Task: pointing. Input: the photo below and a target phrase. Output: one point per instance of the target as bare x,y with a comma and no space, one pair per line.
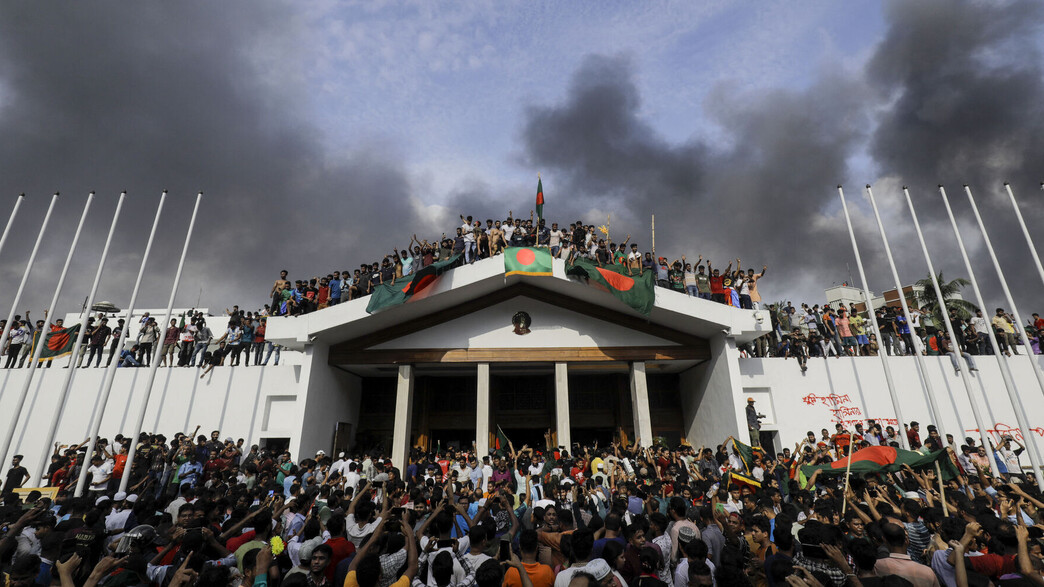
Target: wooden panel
517,355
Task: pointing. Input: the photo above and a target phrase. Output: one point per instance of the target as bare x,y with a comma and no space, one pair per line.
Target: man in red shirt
214,465
342,547
717,287
913,437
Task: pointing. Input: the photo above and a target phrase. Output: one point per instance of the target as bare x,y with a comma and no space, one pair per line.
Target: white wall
798,404
710,396
241,402
552,327
329,396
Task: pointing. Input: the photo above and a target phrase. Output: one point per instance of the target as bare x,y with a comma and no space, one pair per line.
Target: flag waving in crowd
540,197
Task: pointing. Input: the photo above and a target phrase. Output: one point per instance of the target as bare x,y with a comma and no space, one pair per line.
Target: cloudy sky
323,134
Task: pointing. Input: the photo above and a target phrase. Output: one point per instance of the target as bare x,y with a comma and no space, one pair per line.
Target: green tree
926,298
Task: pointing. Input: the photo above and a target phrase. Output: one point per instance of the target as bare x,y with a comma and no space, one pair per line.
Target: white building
448,368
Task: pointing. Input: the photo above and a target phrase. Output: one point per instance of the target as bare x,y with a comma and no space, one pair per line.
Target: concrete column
403,426
482,412
640,404
562,405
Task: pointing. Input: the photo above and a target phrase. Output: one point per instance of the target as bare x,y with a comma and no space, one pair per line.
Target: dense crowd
186,342
202,511
827,331
473,242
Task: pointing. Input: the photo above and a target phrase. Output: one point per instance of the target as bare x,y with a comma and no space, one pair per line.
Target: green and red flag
886,459
746,454
405,288
501,442
635,290
58,343
527,261
540,198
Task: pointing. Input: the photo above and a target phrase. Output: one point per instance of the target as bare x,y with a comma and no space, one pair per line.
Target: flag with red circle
527,261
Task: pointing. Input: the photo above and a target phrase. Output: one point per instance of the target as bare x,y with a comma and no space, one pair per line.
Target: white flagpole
928,391
158,352
873,322
1022,224
28,269
70,374
1016,400
34,360
965,379
10,220
110,371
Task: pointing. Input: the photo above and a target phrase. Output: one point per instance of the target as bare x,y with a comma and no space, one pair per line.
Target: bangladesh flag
634,290
58,344
403,289
527,261
746,454
540,198
500,444
877,459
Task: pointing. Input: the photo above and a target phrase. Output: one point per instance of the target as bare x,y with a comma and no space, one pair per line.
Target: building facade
452,366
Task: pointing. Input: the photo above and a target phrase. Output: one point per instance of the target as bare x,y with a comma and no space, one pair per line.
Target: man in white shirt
555,239
100,472
339,465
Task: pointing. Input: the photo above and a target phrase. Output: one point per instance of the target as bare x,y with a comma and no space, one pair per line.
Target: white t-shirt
556,238
100,472
356,533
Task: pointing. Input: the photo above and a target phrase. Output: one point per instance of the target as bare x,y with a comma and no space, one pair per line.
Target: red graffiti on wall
1001,429
841,410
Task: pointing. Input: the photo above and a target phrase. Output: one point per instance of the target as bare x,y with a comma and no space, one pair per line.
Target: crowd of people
186,342
828,331
473,242
202,511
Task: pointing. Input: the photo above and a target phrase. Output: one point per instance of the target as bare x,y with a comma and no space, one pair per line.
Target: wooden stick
654,236
942,490
848,472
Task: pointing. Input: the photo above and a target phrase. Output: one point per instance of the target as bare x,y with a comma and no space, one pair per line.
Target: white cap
320,452
120,496
101,500
132,497
340,455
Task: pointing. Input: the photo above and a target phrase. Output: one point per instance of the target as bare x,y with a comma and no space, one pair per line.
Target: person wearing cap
1010,457
754,423
121,518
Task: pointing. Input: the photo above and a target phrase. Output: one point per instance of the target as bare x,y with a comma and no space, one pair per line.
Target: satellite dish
107,307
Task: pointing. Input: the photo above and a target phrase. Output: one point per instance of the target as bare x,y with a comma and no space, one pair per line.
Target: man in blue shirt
335,290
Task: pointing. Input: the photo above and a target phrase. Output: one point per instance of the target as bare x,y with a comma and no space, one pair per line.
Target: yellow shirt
1002,323
594,465
351,581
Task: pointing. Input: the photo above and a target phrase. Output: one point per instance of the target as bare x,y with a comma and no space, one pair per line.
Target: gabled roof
682,317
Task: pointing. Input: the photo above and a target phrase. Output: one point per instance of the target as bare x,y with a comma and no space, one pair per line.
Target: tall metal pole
110,371
28,270
1009,381
976,412
873,322
10,220
158,352
1025,231
70,374
16,411
933,407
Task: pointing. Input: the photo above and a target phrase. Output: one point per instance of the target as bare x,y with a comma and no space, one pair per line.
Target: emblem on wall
521,321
